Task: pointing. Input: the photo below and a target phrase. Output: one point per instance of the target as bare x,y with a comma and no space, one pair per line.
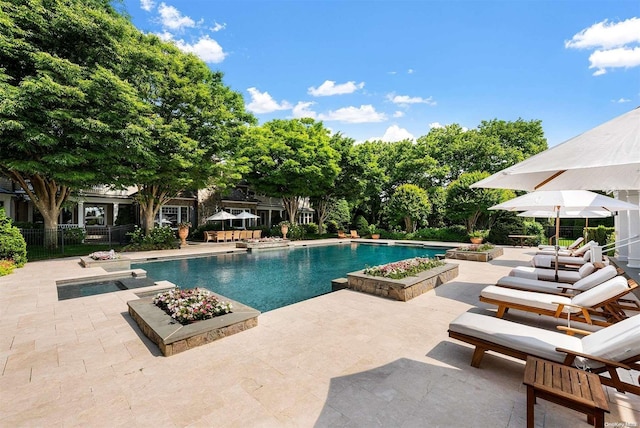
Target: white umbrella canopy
564,213
606,157
556,200
221,216
246,215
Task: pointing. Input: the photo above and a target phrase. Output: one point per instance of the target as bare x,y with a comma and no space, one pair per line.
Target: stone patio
341,359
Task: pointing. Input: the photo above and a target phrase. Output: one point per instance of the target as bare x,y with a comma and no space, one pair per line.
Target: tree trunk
48,197
322,210
408,224
291,206
151,198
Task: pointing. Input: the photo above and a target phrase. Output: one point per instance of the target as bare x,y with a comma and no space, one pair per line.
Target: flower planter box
256,246
122,263
474,256
402,289
173,337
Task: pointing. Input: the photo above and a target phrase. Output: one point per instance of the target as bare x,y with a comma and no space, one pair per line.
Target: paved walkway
344,359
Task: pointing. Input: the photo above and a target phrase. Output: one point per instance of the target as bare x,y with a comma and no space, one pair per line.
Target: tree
468,204
291,159
195,126
409,203
67,120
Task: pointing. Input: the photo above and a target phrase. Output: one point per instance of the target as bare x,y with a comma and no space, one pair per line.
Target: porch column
115,213
621,223
269,218
634,229
80,214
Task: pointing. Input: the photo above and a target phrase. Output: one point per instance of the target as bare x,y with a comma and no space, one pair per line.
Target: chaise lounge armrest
571,330
571,355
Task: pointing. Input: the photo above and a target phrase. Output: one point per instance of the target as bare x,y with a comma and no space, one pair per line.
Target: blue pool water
272,279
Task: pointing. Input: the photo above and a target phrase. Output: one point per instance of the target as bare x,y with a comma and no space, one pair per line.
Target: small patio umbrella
246,215
221,216
556,200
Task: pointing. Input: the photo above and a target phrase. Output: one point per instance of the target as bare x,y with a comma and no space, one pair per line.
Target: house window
305,217
172,215
94,215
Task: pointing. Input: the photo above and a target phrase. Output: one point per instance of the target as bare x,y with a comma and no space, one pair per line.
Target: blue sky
394,69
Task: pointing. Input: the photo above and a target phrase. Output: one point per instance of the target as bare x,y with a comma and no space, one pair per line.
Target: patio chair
354,234
601,352
600,301
209,235
228,235
564,262
578,252
544,274
550,287
573,245
341,235
256,234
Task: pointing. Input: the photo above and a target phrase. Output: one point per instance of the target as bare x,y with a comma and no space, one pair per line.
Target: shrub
332,226
296,232
12,244
75,235
160,238
6,267
533,228
312,229
361,225
599,234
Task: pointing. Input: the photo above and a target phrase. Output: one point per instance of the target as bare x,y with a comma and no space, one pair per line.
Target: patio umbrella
564,213
606,157
221,216
246,215
556,200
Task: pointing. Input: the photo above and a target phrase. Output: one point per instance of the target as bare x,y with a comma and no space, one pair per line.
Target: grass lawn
35,252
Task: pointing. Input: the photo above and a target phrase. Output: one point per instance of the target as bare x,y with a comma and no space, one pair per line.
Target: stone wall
475,256
402,289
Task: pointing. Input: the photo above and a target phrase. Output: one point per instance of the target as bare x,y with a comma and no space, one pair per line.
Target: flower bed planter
256,246
475,256
122,263
173,337
402,289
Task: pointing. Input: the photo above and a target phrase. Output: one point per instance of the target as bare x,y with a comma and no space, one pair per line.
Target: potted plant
183,232
374,232
477,236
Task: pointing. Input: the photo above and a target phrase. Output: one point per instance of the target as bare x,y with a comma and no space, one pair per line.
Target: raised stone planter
173,337
474,256
256,246
121,263
402,289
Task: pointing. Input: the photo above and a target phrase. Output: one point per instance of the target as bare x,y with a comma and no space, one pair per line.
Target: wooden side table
566,386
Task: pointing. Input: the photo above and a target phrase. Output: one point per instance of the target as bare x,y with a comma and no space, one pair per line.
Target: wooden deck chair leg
502,309
587,317
476,359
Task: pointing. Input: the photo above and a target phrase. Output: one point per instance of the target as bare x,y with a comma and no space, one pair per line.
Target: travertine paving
343,359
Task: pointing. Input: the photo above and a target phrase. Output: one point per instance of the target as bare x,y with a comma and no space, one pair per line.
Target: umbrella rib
542,183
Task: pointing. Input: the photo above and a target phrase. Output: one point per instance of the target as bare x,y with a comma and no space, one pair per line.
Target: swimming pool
268,280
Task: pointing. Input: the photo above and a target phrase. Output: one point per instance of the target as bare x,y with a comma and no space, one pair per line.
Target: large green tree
195,127
291,159
410,204
67,118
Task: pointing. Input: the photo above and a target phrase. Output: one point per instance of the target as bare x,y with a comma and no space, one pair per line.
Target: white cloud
406,100
395,133
398,113
329,87
165,36
302,110
392,72
262,102
621,101
171,18
363,114
612,58
217,27
410,71
147,5
606,35
435,125
612,42
206,48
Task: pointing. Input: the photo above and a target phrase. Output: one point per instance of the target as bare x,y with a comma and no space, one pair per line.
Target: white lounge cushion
531,284
531,340
580,251
601,292
597,277
616,342
528,298
573,245
545,261
545,274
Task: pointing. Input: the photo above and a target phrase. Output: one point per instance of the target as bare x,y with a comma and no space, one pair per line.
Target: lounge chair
550,287
573,245
600,301
604,351
209,235
341,235
578,252
354,234
257,234
566,262
544,274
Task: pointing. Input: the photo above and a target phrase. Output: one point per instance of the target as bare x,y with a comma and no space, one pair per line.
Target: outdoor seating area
231,235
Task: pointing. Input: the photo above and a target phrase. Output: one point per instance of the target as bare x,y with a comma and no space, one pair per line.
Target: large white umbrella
555,200
606,157
564,213
222,216
246,215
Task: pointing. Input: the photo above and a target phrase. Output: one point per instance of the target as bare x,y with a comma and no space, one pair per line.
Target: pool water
267,280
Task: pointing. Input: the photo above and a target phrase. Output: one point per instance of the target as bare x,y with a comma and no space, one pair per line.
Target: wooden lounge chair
543,286
341,235
602,352
573,245
600,301
566,262
354,234
579,252
545,274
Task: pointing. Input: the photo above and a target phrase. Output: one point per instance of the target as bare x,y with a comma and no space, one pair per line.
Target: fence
49,243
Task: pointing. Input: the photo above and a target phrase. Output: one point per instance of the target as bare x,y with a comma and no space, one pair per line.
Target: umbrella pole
557,239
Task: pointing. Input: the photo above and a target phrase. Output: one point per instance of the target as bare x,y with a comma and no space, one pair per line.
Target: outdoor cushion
616,342
597,277
528,298
538,285
573,245
545,261
532,340
550,274
601,292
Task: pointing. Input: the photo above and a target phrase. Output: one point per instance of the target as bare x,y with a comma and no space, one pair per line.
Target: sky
392,70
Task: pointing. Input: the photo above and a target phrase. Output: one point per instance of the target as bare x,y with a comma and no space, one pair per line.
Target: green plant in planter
479,234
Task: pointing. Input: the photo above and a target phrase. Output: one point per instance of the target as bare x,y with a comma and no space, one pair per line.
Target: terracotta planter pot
375,236
183,232
284,229
476,240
